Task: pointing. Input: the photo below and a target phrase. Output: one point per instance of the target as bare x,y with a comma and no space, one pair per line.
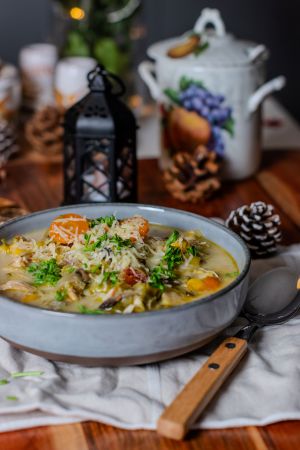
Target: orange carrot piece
211,283
144,228
65,228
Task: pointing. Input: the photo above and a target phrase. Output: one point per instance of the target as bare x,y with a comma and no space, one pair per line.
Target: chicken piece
14,285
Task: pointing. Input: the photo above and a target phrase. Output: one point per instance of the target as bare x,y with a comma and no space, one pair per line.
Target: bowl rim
174,309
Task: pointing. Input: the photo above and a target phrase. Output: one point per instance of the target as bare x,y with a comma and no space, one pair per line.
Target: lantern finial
100,80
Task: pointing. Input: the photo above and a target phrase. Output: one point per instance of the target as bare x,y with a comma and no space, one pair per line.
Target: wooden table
39,185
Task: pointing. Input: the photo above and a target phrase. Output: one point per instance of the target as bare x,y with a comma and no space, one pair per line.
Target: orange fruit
187,129
65,228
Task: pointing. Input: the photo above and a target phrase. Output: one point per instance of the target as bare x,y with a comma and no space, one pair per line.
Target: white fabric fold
262,390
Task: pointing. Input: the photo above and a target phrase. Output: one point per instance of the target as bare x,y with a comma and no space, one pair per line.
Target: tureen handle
146,70
263,91
257,52
213,17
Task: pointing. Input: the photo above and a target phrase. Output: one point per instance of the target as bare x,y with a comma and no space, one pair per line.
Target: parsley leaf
84,310
120,242
108,220
112,277
173,257
159,276
45,272
164,272
231,274
91,247
193,250
61,295
172,238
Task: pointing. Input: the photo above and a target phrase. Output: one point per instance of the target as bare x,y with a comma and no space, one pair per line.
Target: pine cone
9,210
44,131
8,144
193,177
258,226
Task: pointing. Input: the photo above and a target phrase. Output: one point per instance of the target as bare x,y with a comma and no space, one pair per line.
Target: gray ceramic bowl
133,338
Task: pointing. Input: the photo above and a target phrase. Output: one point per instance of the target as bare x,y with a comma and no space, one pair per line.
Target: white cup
70,83
37,64
10,91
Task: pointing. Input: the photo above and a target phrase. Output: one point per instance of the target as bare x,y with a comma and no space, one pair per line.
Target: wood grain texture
280,178
38,186
182,413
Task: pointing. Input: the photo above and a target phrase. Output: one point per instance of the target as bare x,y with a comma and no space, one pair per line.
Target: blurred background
276,24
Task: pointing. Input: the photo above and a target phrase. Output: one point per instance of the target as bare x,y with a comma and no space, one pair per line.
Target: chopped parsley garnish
108,220
84,310
117,240
87,238
172,238
173,257
31,373
164,272
193,250
120,242
3,381
45,272
111,277
61,295
159,276
91,247
231,274
11,397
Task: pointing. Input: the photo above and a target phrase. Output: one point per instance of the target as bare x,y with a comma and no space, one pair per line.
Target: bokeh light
77,13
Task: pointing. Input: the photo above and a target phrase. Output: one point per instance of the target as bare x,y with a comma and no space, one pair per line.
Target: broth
110,265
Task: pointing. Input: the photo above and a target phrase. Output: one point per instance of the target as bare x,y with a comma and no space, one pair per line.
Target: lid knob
212,17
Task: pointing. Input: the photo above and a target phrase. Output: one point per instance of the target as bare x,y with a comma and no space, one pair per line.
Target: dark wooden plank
280,179
95,436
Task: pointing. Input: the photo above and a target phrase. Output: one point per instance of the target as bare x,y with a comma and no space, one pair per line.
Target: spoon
272,299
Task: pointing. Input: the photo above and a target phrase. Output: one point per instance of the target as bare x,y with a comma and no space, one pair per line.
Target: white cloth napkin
263,389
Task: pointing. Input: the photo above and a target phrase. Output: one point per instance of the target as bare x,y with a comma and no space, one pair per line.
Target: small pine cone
258,226
44,131
9,210
8,138
193,177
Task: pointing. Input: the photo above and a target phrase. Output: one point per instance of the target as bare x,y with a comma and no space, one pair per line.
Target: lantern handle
101,83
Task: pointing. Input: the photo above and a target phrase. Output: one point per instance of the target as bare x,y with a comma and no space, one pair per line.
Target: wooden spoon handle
177,418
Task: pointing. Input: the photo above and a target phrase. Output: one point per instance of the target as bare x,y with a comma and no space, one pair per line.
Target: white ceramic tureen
210,87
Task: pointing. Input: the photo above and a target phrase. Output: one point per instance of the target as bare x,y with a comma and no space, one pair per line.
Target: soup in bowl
118,283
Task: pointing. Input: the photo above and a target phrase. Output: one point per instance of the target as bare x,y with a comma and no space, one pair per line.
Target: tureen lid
215,46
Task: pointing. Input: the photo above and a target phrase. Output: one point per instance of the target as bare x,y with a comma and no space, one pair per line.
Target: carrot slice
65,228
211,283
144,227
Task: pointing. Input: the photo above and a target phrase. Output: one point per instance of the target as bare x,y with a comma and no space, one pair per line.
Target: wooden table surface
39,185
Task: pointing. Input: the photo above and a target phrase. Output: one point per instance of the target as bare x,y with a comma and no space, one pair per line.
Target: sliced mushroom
110,302
83,275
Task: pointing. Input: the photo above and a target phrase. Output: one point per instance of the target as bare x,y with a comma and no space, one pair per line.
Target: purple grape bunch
210,106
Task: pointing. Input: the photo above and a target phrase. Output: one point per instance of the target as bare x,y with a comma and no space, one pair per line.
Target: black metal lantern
100,144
